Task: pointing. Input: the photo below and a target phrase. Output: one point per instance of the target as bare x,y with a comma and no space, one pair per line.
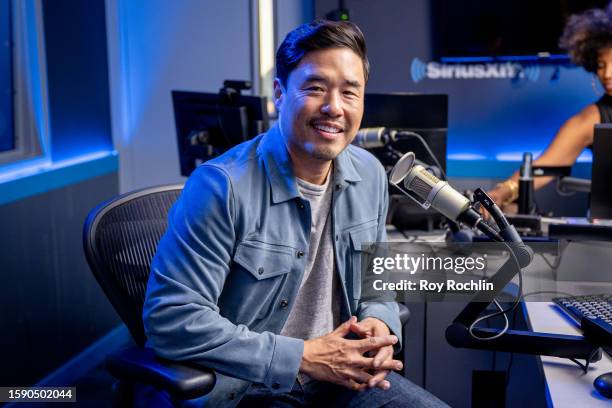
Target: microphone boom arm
519,341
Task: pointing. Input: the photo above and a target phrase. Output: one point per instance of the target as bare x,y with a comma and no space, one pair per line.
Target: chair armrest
404,313
182,380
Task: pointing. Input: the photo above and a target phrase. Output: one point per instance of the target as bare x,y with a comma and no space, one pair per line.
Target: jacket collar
279,171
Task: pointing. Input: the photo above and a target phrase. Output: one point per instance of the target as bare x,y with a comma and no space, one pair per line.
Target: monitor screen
601,197
426,115
484,28
207,124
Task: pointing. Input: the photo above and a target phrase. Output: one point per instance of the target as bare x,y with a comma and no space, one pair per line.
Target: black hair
319,35
586,34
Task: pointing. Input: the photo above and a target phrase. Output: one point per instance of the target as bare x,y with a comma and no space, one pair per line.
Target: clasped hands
354,364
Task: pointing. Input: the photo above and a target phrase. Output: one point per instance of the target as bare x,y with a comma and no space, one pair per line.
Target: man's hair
319,35
586,34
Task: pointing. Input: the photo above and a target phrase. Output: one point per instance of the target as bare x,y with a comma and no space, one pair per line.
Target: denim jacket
231,263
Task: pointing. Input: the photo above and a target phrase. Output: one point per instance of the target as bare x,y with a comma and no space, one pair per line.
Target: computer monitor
207,124
601,174
424,114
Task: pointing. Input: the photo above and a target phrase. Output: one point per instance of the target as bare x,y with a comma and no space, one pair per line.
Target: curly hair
586,34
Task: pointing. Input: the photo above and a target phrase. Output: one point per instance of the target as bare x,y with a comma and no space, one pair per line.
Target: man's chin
325,153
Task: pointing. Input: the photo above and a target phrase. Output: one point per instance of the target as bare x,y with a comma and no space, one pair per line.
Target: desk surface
567,385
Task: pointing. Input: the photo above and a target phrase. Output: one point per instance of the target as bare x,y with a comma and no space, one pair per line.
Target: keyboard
593,313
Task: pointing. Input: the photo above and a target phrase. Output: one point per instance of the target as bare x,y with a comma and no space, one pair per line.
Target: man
258,274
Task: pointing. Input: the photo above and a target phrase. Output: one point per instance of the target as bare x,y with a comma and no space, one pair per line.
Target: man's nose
332,105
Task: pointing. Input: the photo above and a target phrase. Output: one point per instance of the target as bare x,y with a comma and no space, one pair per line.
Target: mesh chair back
120,238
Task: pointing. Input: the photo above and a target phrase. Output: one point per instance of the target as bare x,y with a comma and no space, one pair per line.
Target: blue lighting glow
504,58
39,177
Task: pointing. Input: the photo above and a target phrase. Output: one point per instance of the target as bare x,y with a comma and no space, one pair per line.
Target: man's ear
279,94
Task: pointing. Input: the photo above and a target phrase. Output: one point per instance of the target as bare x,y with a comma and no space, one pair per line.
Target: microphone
370,138
433,191
429,191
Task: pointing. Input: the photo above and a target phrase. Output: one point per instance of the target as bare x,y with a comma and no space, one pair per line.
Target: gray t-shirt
316,309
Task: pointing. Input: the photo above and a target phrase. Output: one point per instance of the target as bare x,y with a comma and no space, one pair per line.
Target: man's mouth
328,127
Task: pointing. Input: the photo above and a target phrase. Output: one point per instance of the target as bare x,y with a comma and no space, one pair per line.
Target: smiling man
258,275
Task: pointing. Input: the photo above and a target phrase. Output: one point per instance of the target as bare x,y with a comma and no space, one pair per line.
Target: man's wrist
305,363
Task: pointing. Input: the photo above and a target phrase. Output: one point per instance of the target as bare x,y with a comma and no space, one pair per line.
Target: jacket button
284,303
260,270
300,254
300,205
276,386
338,187
337,237
232,396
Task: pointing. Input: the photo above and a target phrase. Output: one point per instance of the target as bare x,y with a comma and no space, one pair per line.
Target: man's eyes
315,89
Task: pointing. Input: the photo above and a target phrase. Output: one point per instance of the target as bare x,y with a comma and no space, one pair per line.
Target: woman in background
587,38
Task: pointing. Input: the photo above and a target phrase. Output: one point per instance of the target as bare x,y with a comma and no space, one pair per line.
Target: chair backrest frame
100,266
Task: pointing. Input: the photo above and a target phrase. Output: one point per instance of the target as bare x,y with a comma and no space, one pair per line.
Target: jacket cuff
285,364
387,312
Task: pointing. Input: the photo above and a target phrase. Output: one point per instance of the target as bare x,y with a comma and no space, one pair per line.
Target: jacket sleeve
386,311
181,317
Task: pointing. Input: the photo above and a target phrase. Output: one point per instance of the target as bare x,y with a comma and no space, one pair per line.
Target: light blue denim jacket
231,262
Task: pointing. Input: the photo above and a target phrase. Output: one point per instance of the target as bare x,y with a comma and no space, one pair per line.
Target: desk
429,358
567,385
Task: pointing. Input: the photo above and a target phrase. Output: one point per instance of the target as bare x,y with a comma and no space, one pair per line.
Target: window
7,141
24,122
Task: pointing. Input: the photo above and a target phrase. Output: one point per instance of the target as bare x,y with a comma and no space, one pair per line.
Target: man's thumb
345,328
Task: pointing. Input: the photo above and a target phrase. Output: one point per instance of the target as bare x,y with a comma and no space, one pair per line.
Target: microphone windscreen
401,168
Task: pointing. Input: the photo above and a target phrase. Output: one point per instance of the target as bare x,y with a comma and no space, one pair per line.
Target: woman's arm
571,139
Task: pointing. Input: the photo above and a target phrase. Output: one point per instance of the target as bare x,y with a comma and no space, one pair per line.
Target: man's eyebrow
319,78
352,83
314,78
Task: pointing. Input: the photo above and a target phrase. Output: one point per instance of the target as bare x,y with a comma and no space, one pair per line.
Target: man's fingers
378,380
357,375
345,328
353,385
372,343
368,363
383,354
359,330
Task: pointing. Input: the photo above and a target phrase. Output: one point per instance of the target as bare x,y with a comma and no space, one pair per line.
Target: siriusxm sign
491,70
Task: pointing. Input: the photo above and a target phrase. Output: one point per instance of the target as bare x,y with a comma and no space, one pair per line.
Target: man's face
320,109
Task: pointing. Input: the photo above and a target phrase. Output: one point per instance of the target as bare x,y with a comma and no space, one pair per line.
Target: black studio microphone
370,138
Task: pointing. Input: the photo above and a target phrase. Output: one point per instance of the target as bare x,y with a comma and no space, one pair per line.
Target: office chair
120,238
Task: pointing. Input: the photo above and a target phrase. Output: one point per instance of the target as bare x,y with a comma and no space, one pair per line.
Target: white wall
156,46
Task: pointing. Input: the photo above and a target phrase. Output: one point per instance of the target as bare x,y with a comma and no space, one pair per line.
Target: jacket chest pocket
264,260
265,269
359,253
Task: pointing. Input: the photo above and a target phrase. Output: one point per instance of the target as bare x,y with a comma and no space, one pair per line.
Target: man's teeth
327,129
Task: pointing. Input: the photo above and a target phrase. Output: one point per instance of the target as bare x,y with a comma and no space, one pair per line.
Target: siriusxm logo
493,70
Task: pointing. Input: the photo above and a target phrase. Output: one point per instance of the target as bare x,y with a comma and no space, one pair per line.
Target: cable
585,366
513,325
501,311
487,317
425,145
552,265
